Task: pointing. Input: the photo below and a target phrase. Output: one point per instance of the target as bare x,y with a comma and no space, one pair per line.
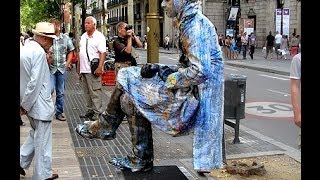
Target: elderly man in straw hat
36,102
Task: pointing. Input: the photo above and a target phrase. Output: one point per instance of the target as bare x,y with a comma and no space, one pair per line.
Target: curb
258,68
263,69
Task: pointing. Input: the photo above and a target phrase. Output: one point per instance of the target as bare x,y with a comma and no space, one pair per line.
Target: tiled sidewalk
76,158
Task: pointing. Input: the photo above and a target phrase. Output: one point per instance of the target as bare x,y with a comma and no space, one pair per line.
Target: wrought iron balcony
113,20
96,10
123,1
112,3
123,18
137,16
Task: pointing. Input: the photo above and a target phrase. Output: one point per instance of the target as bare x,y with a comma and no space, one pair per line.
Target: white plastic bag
264,50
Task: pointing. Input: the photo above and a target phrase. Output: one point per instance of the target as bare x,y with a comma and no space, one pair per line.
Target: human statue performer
174,99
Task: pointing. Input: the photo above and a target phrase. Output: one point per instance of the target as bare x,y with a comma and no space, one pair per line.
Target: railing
112,3
137,16
96,10
123,1
113,20
123,18
116,3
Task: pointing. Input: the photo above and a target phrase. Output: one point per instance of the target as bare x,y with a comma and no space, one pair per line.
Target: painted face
171,7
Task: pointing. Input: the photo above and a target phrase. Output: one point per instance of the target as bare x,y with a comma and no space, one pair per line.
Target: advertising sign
229,32
248,25
285,20
233,14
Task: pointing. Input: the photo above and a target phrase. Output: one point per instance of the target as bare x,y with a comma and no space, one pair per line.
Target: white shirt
96,45
278,38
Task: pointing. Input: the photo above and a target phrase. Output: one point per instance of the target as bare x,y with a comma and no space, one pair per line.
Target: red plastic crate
108,78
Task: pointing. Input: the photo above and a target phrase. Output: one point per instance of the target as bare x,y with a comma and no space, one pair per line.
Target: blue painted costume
191,96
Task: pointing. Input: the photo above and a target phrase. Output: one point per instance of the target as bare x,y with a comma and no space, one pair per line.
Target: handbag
94,63
74,58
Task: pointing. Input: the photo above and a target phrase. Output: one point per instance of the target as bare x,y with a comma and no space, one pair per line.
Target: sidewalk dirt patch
279,167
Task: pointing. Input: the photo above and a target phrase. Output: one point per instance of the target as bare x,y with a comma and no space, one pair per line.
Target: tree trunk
104,30
84,14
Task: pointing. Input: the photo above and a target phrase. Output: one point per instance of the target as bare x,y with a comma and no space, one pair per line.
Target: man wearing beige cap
36,103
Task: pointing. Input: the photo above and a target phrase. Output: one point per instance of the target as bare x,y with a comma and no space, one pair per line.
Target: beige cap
44,29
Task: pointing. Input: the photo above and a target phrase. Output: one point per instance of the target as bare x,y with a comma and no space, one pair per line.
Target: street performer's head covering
174,8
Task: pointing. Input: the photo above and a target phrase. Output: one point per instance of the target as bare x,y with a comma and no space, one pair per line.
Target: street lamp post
281,24
153,34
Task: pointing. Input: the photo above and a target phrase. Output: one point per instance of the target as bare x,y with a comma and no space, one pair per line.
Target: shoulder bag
94,63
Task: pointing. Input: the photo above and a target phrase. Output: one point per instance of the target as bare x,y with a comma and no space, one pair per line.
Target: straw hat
44,29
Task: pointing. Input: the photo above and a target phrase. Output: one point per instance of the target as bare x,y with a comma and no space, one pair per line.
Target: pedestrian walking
166,42
269,45
252,44
92,55
244,45
62,50
277,40
233,49
238,42
294,45
172,100
36,103
284,47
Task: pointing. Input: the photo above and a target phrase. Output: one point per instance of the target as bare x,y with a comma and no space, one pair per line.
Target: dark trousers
244,51
251,51
141,138
140,128
166,46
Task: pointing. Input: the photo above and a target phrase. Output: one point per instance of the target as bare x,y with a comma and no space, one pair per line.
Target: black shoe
22,172
54,176
202,173
89,115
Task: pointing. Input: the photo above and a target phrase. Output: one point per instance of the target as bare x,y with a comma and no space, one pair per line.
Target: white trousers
38,146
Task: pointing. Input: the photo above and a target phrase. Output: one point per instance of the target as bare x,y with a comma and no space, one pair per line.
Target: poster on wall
248,26
285,20
233,14
229,32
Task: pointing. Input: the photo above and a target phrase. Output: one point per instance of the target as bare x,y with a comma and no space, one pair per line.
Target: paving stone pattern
93,155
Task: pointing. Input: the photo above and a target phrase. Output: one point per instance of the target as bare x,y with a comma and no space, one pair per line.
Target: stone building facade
263,11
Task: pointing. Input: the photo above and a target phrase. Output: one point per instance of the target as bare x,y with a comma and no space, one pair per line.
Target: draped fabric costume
192,96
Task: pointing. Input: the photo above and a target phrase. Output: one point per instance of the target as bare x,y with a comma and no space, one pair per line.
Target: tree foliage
34,11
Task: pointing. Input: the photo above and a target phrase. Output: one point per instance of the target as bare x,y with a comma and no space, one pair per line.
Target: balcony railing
123,18
96,10
137,16
123,1
113,20
112,3
115,3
